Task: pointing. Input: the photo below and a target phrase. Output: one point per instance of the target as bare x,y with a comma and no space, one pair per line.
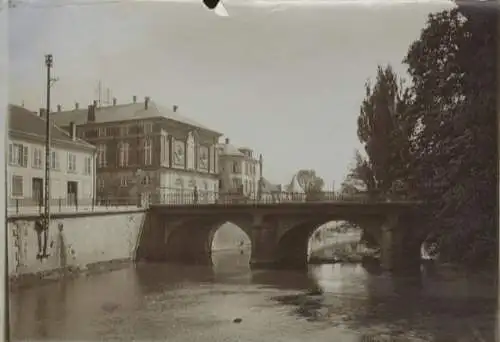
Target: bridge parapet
172,196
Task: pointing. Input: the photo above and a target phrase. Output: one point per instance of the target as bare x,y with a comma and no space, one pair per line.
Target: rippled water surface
190,303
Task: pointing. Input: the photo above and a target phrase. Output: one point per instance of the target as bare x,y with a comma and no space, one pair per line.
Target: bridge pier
264,254
400,249
271,252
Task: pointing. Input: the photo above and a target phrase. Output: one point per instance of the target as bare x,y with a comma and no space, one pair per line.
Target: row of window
124,181
19,156
124,154
125,130
250,169
37,184
248,186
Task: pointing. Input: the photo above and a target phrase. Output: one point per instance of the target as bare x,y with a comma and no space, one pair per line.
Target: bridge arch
191,240
293,243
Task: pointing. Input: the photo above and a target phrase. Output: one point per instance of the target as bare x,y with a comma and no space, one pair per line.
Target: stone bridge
279,232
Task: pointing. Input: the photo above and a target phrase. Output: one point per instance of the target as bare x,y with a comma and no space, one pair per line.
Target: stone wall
87,241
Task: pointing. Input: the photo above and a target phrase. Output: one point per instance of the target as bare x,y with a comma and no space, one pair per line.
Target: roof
294,186
124,112
21,120
229,150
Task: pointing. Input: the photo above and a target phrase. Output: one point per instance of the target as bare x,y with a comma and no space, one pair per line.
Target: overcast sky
285,80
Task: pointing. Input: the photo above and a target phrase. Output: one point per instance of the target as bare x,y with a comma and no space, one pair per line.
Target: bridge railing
30,206
171,196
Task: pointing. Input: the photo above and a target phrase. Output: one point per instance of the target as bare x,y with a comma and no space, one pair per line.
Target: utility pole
48,64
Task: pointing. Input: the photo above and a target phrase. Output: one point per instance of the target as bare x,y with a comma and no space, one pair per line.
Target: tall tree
385,131
453,69
309,181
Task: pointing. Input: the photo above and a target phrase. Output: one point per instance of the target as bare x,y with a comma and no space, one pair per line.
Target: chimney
72,130
175,108
59,107
146,102
77,105
227,141
42,112
134,99
91,114
114,101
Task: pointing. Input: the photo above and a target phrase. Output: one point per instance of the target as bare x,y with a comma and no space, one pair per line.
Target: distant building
71,163
144,148
239,171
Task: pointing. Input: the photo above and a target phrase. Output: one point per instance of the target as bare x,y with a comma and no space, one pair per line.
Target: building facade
71,163
239,171
146,150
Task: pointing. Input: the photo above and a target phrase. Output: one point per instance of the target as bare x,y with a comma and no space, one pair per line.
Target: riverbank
343,252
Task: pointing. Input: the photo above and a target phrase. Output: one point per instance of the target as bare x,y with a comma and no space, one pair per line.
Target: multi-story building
71,163
144,148
240,172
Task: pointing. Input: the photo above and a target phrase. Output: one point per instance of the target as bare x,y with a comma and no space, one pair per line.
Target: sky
285,78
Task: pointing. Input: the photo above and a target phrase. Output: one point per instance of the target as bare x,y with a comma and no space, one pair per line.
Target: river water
197,303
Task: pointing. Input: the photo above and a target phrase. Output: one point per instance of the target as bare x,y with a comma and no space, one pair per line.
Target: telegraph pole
48,64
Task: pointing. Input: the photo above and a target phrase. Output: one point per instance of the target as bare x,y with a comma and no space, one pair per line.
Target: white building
239,171
72,164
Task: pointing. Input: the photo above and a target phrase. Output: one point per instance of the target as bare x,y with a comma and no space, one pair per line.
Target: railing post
60,203
17,205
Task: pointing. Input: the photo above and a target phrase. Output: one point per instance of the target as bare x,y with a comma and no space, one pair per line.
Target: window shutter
11,153
25,156
56,160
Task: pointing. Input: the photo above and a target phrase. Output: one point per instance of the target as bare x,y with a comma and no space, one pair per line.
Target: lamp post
48,64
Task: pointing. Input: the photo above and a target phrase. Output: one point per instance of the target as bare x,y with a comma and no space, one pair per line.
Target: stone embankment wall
87,242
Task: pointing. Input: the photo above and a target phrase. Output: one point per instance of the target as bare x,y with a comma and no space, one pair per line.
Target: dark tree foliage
454,167
437,139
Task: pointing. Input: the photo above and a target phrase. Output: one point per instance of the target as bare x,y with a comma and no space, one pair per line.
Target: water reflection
186,303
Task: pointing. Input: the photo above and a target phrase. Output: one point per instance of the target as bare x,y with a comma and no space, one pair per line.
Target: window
100,183
17,186
123,181
148,152
71,162
164,149
87,167
101,155
123,157
54,160
102,131
146,180
37,158
124,130
236,184
148,127
235,167
18,155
